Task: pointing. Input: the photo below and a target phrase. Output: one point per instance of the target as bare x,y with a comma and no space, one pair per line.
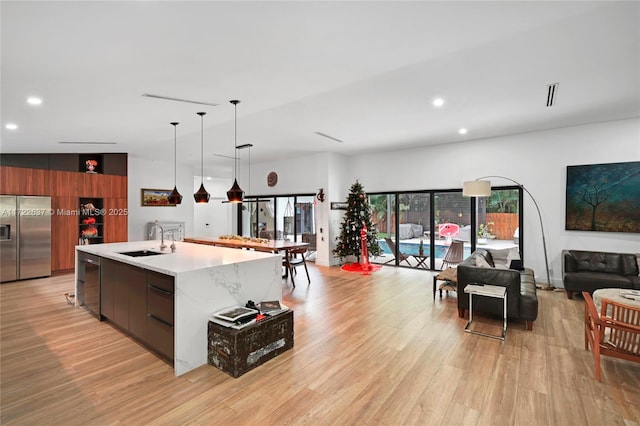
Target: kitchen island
204,279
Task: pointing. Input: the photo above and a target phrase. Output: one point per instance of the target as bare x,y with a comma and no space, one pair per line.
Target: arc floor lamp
482,188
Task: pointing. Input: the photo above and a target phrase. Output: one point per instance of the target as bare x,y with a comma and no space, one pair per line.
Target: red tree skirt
357,267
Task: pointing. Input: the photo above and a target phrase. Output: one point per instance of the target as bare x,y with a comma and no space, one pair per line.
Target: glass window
305,221
499,219
452,228
383,216
290,217
414,230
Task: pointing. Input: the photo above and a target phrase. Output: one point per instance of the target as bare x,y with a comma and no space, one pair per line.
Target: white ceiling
363,72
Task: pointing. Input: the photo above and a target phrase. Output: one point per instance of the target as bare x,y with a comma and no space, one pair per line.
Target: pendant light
235,194
175,197
202,196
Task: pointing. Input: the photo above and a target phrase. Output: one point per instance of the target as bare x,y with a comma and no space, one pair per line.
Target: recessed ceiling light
438,102
11,126
462,131
33,100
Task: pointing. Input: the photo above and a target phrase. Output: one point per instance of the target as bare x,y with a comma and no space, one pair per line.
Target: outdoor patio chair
401,256
448,230
454,254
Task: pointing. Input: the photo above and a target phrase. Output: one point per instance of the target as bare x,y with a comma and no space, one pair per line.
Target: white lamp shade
476,188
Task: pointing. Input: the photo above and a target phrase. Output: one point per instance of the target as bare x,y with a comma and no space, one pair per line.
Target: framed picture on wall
339,205
156,198
603,197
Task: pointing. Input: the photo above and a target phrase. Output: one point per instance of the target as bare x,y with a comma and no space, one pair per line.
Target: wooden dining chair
293,261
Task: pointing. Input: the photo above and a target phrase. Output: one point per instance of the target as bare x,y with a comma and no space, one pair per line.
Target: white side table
495,291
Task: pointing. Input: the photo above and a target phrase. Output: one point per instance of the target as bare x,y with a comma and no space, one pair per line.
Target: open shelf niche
91,221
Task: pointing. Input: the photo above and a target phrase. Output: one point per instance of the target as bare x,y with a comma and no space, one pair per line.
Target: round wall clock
272,179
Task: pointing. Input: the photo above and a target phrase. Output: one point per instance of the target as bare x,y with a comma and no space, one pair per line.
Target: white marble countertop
188,256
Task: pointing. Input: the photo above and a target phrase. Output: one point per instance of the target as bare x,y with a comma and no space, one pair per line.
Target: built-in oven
88,288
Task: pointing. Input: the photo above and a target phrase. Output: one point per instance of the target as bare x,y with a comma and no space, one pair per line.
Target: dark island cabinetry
140,303
159,316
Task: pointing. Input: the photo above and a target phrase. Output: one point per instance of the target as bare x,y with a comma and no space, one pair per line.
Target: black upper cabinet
109,164
28,161
63,162
114,164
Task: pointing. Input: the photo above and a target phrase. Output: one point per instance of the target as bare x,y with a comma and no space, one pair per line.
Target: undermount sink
141,253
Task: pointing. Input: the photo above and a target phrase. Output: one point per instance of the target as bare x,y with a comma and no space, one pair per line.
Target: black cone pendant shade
235,194
175,197
202,196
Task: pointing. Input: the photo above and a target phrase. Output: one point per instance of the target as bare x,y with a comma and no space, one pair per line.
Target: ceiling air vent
87,143
552,93
324,135
167,98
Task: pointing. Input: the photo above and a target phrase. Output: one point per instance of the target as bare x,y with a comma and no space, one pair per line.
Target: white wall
538,160
213,218
338,191
144,173
295,175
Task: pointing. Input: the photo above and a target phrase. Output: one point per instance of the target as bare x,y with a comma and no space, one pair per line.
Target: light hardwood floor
368,350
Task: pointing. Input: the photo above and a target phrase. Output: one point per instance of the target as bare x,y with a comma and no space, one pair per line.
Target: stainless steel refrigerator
25,237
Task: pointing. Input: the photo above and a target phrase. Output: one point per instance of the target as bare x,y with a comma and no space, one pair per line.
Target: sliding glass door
452,228
383,216
439,229
421,229
289,217
305,220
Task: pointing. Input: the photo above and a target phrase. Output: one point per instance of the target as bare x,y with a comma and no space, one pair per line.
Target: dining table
257,244
273,246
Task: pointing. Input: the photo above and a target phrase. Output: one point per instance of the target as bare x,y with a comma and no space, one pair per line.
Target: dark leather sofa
522,300
591,270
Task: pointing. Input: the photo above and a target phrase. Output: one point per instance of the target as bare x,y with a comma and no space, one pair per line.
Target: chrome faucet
162,244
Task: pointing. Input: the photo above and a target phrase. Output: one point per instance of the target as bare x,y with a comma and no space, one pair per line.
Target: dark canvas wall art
603,197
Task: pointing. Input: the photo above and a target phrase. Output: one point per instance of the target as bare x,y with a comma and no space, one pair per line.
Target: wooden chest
238,351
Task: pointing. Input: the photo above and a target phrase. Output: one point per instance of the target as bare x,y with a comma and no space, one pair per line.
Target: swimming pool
413,248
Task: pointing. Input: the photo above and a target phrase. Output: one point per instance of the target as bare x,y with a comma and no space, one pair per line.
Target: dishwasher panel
89,283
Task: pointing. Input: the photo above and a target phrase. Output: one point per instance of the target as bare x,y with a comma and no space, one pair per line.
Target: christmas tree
358,213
